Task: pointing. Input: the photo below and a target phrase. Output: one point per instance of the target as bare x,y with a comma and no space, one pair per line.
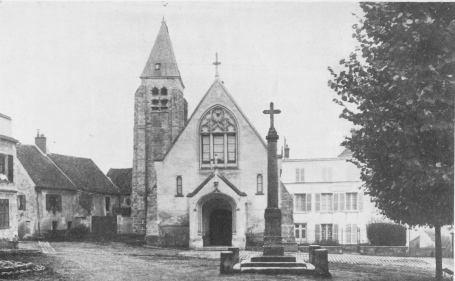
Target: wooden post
321,263
311,249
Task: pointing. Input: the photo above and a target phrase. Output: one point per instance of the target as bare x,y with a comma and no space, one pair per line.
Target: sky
71,69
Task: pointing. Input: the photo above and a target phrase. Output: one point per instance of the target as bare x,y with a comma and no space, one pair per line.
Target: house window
54,225
302,202
299,175
4,213
324,232
108,204
351,201
179,186
351,233
157,66
21,202
69,225
300,232
326,202
218,132
327,174
6,168
260,188
54,202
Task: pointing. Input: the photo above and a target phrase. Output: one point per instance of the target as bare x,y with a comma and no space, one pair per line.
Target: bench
448,271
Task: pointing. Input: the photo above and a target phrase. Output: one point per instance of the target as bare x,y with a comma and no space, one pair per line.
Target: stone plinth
226,262
235,251
311,250
321,263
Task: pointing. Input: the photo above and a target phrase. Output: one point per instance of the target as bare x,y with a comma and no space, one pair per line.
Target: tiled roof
122,179
346,153
163,54
84,173
41,169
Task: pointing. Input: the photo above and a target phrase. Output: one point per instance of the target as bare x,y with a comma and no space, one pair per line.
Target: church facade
199,181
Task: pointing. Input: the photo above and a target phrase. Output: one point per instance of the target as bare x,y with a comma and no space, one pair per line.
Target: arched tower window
260,187
218,135
163,91
179,186
155,91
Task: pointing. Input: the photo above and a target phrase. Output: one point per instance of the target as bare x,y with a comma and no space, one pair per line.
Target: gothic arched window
260,187
218,133
179,186
163,91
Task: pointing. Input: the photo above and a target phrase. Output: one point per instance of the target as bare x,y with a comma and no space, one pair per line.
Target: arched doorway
217,220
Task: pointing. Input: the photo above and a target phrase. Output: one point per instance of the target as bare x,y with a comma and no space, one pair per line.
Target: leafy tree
399,94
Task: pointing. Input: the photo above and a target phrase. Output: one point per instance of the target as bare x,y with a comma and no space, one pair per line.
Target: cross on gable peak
216,63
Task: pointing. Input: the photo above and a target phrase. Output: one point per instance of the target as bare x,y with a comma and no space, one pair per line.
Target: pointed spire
162,62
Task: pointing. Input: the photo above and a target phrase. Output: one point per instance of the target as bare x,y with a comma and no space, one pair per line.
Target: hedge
386,234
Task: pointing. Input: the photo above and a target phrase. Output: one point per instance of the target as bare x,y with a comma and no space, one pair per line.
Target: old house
198,181
122,180
324,200
60,191
8,178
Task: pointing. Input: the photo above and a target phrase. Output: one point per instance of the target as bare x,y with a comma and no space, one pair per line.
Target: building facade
200,181
8,178
326,200
59,191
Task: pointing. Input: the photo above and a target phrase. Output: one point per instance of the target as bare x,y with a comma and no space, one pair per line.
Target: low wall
330,249
397,251
428,252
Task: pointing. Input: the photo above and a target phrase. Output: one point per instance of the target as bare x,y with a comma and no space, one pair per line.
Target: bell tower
160,113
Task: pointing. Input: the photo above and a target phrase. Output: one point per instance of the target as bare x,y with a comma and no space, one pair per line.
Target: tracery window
218,133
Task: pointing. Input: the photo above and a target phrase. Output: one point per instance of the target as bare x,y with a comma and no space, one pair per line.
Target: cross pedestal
272,233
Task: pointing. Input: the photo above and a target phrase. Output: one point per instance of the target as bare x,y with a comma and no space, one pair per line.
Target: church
194,180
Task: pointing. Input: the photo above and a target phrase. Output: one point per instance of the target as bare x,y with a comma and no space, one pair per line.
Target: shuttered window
351,233
351,201
4,213
6,168
54,202
318,202
21,204
335,232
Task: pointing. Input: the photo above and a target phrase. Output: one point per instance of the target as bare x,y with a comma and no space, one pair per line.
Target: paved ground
117,261
344,258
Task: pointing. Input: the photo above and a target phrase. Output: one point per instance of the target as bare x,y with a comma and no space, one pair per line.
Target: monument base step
213,248
274,259
288,266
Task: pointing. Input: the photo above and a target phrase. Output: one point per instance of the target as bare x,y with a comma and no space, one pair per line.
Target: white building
328,203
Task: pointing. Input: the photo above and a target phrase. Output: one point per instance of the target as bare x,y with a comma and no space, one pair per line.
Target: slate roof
41,169
84,173
122,179
162,53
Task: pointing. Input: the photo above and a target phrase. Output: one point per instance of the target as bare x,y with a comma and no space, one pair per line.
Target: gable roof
223,178
122,179
216,82
162,53
84,173
42,171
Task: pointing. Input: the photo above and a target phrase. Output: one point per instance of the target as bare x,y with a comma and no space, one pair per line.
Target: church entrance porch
217,220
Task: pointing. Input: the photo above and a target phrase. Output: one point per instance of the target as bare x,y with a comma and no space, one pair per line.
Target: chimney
40,142
286,150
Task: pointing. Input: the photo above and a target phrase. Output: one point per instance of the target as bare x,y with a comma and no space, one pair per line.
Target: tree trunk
438,252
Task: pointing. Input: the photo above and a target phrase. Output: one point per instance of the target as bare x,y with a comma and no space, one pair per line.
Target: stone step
278,270
272,264
213,248
274,259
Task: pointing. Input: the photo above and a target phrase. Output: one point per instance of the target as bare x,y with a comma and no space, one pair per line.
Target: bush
386,234
79,232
